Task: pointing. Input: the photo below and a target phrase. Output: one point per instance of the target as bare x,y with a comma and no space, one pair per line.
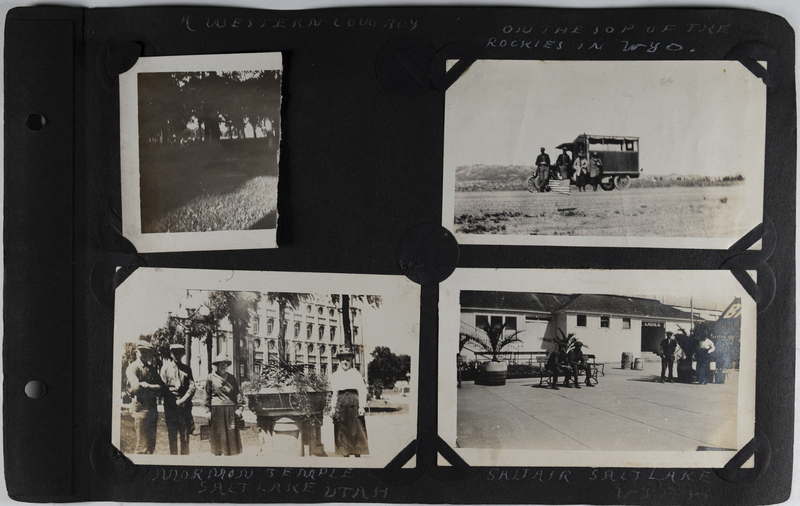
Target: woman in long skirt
347,408
225,402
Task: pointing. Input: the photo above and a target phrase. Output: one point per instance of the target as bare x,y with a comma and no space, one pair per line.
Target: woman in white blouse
347,407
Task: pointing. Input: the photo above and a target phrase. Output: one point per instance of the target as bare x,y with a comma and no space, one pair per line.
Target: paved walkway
627,410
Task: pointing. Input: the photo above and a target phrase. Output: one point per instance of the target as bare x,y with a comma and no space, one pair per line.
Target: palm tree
567,341
239,308
493,339
373,300
285,300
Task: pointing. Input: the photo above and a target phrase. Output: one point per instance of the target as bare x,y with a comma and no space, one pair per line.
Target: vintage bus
619,157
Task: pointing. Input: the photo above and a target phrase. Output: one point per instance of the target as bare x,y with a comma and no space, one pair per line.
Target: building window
511,324
321,331
333,333
270,325
581,320
319,310
256,324
626,323
309,330
482,322
331,312
241,370
605,322
257,344
297,330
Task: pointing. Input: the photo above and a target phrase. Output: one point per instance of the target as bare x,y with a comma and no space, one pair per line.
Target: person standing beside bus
595,170
563,162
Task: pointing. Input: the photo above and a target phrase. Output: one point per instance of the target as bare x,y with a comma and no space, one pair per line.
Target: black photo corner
349,142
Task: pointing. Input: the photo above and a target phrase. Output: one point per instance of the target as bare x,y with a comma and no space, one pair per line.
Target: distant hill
482,172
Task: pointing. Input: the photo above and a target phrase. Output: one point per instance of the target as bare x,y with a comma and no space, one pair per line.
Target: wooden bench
594,367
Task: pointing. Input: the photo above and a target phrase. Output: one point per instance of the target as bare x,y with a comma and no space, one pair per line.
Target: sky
702,118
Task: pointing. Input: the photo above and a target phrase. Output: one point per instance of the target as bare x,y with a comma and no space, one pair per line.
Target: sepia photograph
257,368
200,138
666,154
596,368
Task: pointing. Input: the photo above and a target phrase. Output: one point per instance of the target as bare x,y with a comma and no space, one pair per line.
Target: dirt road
714,212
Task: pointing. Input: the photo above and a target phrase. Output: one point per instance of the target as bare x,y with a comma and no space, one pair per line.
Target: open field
713,212
215,185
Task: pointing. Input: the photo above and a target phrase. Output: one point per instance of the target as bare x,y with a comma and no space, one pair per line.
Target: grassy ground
223,185
128,436
639,212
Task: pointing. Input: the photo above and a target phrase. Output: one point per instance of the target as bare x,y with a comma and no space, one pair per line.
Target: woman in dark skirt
225,403
347,408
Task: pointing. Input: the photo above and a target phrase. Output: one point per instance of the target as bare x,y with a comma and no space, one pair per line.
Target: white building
608,325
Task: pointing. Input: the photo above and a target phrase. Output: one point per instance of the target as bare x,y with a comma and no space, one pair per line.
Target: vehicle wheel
607,186
622,182
530,184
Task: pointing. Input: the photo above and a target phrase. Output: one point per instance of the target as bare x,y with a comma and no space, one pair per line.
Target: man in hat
669,346
564,163
577,360
178,400
557,361
145,387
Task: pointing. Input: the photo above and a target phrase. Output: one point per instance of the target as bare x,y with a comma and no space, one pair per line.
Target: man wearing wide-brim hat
577,361
348,401
178,400
225,402
145,387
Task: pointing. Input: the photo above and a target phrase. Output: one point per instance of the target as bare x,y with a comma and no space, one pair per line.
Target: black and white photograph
666,154
265,368
200,142
596,368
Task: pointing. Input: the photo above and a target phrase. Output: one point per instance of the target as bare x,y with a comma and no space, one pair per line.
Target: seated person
577,360
555,363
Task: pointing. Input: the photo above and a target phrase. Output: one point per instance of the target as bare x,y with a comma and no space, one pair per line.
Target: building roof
513,301
622,305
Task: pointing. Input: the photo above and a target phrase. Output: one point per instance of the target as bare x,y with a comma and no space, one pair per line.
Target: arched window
321,331
333,332
309,330
297,329
270,325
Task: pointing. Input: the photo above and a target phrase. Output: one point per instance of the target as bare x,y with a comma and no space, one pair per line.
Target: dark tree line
169,102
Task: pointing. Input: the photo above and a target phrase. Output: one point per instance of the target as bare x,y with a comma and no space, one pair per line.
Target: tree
386,368
284,301
493,339
373,300
239,308
168,102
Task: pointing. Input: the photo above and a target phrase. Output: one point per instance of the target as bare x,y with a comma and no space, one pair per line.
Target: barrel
627,360
638,364
495,374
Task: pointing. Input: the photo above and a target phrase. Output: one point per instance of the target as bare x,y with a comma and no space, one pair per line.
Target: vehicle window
615,144
631,145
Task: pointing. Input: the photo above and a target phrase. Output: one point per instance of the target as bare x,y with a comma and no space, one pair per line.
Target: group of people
225,403
569,360
699,349
175,385
581,171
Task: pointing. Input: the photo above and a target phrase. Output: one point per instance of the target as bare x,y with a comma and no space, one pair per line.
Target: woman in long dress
225,402
347,408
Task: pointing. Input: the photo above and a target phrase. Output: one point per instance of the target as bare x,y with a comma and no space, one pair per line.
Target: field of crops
639,212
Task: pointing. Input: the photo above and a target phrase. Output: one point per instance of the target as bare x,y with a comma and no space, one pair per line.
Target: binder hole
35,389
35,121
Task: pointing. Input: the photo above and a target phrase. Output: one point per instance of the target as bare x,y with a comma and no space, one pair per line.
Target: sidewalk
626,410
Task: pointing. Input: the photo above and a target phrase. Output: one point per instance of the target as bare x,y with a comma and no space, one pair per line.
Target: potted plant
493,339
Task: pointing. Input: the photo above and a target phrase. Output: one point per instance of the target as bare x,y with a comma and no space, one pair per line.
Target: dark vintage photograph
653,370
669,154
208,150
260,376
200,146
